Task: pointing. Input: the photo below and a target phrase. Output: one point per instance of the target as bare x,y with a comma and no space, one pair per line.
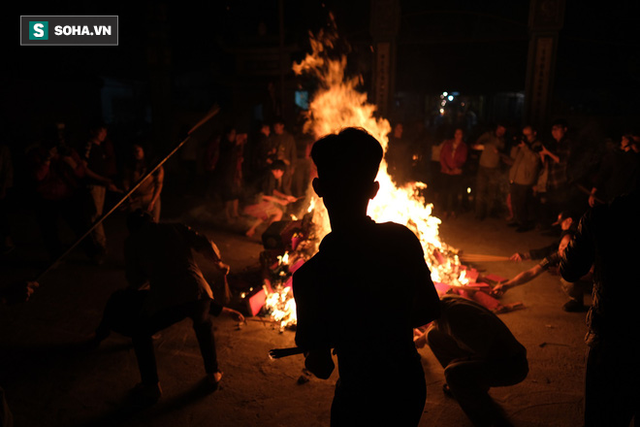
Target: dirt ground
51,379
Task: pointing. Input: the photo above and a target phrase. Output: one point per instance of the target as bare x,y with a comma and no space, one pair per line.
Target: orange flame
338,104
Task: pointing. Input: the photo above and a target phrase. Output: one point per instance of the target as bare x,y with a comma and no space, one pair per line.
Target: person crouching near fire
477,351
574,290
270,200
368,283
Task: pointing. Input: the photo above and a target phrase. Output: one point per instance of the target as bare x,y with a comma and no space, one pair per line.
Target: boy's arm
425,305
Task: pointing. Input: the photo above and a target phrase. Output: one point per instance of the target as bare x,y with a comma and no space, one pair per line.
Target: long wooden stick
483,258
99,221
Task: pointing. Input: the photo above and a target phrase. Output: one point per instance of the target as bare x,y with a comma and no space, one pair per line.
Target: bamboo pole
212,112
482,258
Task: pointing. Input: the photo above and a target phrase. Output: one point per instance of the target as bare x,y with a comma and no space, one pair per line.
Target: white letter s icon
38,30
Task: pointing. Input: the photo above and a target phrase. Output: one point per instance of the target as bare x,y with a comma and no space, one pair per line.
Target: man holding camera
523,177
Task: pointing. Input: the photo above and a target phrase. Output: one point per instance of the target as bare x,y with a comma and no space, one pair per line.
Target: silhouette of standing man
362,293
607,238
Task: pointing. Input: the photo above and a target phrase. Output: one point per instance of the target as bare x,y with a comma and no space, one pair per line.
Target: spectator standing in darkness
489,174
618,171
552,181
398,156
523,176
286,151
264,153
230,170
60,194
96,163
605,239
453,156
421,147
147,196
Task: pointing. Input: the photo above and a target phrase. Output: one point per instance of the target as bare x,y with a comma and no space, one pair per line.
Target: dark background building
176,59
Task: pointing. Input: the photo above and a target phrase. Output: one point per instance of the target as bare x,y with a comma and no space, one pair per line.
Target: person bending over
477,351
159,256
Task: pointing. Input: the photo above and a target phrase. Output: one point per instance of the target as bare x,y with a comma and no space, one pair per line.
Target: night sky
476,47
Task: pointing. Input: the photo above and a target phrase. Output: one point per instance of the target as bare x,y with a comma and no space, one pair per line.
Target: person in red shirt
453,156
57,171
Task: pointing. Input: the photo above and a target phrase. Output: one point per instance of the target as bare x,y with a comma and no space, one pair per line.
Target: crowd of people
528,180
257,176
475,348
524,175
73,182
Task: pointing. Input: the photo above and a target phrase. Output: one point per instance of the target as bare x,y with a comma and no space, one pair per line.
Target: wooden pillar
385,26
546,18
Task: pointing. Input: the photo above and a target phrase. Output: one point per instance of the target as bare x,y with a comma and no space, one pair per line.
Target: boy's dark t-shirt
362,294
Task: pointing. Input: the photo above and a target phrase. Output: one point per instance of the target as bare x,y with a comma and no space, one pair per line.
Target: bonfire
337,104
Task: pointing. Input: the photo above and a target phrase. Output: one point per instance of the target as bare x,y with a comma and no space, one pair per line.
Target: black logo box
71,20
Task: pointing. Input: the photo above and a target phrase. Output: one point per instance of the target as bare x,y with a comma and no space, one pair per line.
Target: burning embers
288,245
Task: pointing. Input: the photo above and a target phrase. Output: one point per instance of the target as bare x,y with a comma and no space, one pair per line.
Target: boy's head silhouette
347,165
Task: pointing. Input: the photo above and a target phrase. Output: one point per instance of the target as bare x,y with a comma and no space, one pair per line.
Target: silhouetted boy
362,293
